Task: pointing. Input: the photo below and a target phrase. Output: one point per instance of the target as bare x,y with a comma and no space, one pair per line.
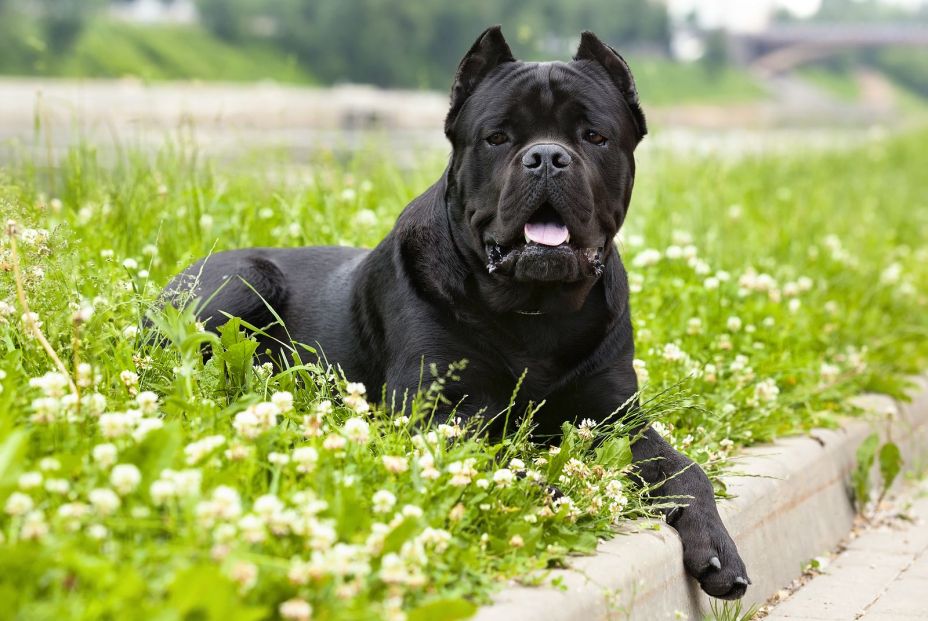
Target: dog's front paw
709,554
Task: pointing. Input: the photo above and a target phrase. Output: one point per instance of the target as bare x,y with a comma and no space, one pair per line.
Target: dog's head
543,167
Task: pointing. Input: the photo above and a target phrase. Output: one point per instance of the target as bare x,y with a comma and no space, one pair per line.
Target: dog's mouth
546,254
546,227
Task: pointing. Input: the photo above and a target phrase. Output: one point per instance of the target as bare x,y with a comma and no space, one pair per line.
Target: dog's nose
546,158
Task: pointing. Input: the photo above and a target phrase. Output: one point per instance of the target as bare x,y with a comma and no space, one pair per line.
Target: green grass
764,292
116,50
664,82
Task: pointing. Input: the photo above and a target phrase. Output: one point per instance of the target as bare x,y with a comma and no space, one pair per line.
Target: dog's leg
709,554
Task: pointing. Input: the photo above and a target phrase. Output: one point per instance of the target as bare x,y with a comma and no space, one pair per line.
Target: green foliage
760,304
889,458
730,611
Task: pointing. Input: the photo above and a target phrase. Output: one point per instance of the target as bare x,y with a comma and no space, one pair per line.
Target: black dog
508,261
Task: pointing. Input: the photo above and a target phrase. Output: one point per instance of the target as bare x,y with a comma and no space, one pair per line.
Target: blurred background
337,75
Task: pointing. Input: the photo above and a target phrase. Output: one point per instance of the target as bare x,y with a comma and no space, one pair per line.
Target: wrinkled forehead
542,94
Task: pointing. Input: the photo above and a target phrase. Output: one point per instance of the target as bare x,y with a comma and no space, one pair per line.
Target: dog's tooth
527,239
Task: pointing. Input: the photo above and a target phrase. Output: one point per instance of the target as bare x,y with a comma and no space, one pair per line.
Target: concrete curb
794,504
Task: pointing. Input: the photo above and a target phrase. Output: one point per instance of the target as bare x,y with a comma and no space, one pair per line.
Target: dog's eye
594,137
497,138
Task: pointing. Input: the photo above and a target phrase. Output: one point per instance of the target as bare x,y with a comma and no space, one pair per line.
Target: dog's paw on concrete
709,554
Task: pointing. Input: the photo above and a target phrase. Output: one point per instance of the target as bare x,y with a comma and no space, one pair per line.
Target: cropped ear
591,48
488,52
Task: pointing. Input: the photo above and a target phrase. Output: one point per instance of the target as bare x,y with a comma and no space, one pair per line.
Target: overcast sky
741,15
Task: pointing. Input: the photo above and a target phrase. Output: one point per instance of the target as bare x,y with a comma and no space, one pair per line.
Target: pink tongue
547,233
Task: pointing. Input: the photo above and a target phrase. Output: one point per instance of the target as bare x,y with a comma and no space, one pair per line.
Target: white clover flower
266,412
805,283
324,408
365,219
673,353
105,454
130,264
225,504
52,384
383,501
412,511
306,458
57,486
278,459
18,504
733,323
30,480
435,538
355,388
130,332
115,424
641,370
186,482
740,363
31,322
646,257
766,391
162,491
794,305
34,526
334,443
104,500
516,541
283,400
348,195
517,464
462,472
267,505
98,532
357,403
129,378
660,428
829,372
295,609
585,429
448,431
891,274
252,528
125,478
244,574
49,464
246,424
357,430
427,464
503,477
196,451
711,283
71,513
395,464
94,403
147,401
483,483
145,426
694,325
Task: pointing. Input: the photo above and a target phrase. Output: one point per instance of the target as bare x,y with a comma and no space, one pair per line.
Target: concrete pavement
881,575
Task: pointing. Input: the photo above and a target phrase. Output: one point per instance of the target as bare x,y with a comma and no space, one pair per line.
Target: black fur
454,279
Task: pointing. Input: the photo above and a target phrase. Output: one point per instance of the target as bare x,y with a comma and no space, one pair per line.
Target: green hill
110,50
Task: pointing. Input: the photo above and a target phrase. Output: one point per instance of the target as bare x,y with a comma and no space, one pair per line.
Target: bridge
783,47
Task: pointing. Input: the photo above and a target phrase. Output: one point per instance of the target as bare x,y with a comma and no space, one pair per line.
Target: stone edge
791,502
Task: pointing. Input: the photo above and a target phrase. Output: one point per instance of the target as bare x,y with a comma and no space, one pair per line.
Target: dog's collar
529,312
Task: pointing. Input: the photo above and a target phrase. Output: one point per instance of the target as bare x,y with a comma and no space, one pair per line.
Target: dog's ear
488,52
591,48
